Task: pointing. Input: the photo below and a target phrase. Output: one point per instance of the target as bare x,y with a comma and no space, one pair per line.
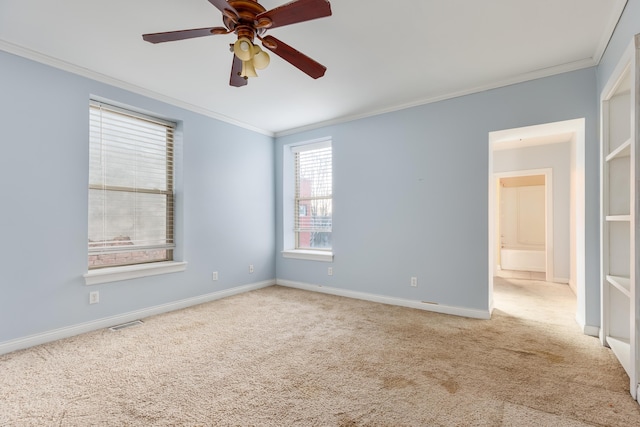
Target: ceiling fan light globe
261,60
248,69
243,49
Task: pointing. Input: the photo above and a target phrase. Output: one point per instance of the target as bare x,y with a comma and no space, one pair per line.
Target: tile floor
515,274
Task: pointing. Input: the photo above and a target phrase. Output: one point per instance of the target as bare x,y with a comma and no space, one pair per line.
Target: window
131,194
313,196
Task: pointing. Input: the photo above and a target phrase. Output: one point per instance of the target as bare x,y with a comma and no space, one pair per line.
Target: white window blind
130,187
313,196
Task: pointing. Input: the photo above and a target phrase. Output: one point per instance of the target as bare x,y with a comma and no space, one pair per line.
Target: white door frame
545,133
548,215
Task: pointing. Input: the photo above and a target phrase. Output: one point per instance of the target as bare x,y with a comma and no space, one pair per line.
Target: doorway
570,135
524,225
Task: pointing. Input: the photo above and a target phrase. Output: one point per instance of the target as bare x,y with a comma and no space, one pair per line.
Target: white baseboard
590,330
564,280
69,331
593,331
421,305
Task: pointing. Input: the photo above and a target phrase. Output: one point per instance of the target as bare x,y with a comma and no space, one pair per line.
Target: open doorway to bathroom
555,151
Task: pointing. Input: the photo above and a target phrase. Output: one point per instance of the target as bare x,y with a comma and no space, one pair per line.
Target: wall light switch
94,297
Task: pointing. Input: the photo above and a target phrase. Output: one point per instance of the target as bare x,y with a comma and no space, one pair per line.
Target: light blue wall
225,194
411,192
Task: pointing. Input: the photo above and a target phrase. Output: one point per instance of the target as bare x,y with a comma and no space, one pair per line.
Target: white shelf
618,218
620,185
623,150
622,349
623,284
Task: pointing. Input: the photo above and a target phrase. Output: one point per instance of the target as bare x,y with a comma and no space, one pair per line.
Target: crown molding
94,75
618,7
522,78
102,78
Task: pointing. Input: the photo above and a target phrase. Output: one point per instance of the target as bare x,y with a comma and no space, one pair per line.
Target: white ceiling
380,55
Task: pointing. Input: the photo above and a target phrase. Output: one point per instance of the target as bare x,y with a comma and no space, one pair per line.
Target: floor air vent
125,325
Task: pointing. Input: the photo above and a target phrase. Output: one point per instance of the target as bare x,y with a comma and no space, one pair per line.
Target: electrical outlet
214,275
250,268
330,271
94,297
414,282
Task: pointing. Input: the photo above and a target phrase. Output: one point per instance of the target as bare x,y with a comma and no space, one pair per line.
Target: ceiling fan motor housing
245,24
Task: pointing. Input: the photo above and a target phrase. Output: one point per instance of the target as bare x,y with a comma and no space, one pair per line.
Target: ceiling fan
248,20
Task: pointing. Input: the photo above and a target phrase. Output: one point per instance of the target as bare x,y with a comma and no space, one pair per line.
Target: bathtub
523,259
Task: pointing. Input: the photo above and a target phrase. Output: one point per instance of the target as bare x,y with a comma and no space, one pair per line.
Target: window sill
116,274
324,256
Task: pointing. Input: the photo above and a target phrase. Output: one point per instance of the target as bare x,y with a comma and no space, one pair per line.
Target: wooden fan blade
294,57
223,7
294,12
170,36
236,68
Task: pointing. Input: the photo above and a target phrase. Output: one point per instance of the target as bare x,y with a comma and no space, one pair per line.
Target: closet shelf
623,284
623,150
622,349
612,218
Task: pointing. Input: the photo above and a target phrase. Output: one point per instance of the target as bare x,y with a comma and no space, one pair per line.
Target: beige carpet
283,357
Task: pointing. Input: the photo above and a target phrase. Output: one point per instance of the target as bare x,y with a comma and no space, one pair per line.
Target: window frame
291,247
116,272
